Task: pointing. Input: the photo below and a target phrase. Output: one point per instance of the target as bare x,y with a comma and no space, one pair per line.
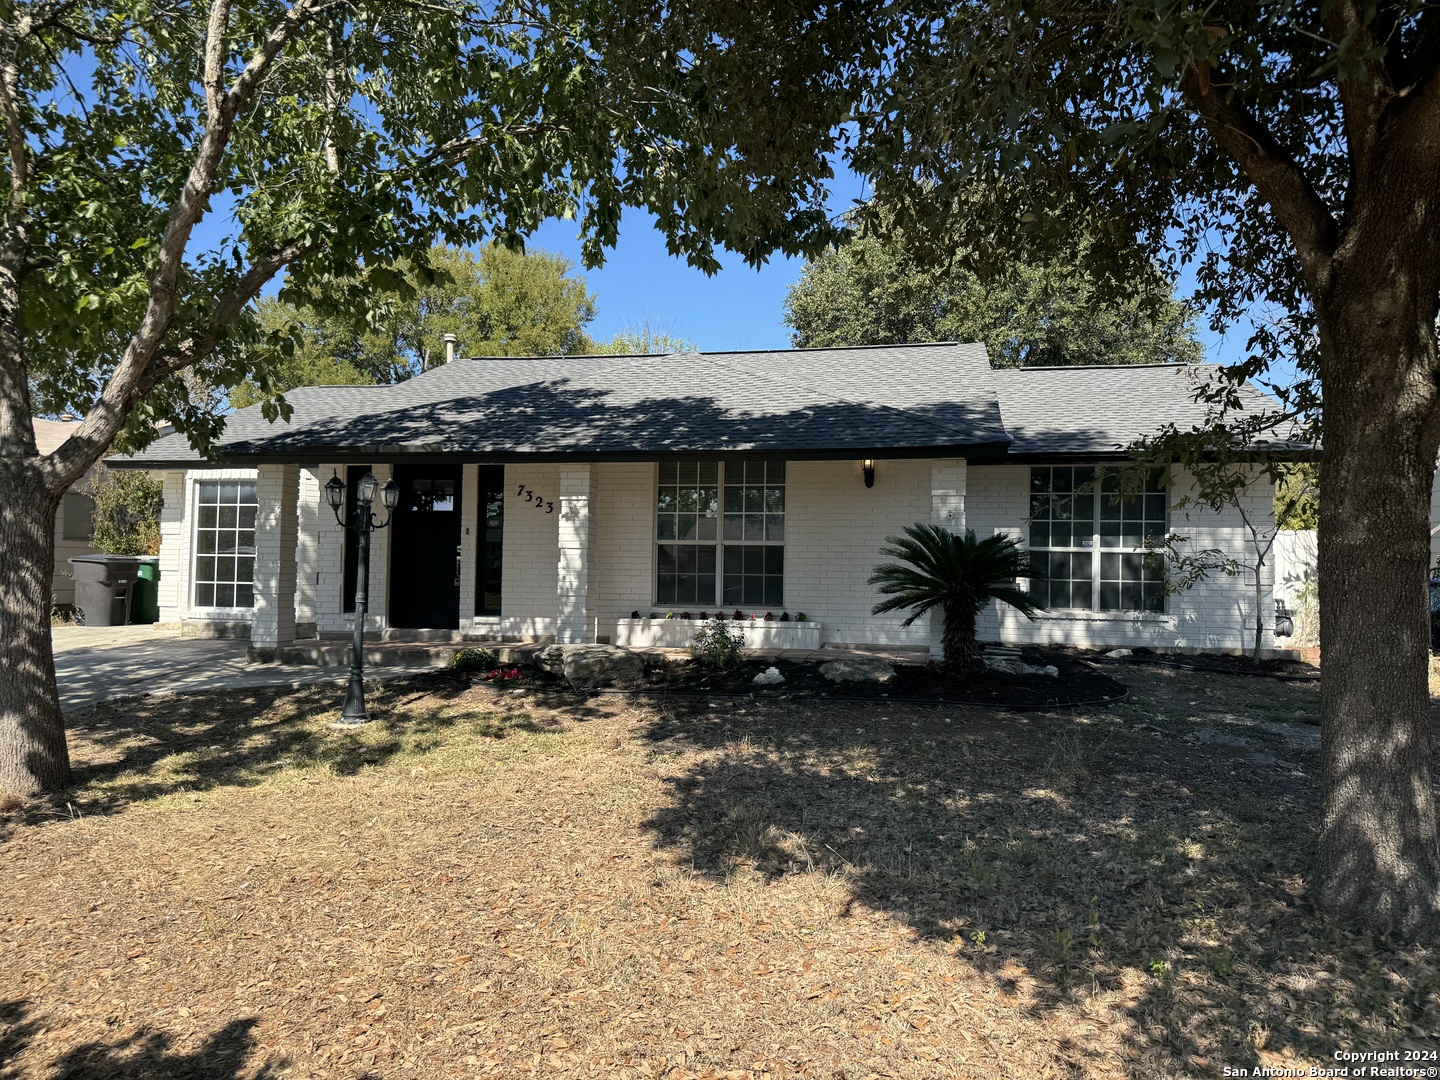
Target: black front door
425,548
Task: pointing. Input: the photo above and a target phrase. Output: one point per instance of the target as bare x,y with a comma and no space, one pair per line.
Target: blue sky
739,307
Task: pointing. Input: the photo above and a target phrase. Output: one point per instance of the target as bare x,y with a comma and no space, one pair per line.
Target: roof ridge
1101,367
907,414
720,352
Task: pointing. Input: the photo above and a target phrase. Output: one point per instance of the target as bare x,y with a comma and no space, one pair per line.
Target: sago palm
960,575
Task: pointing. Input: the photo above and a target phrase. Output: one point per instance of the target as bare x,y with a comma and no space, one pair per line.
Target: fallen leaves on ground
498,884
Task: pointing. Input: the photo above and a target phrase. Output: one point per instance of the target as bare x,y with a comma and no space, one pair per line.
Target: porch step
390,654
448,637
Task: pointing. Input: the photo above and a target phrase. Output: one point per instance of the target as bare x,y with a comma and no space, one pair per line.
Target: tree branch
1363,98
1273,172
10,38
73,456
106,417
1423,56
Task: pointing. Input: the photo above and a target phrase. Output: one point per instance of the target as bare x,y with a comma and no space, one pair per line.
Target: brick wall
624,576
834,529
277,490
531,556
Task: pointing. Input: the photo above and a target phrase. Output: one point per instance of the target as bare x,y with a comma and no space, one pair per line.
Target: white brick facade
277,532
577,570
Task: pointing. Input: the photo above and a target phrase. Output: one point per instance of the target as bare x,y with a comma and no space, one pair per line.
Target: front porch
527,553
390,652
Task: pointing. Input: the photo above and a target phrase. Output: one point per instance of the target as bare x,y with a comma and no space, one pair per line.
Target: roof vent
450,342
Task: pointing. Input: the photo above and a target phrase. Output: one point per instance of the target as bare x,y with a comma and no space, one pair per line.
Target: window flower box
677,633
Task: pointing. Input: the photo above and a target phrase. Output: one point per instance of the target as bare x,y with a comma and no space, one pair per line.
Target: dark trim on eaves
988,454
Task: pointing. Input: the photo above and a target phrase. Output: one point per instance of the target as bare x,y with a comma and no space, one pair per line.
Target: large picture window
1089,539
225,543
720,533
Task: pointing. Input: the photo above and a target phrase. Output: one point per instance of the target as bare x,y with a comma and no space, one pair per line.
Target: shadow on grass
143,748
1058,860
144,1054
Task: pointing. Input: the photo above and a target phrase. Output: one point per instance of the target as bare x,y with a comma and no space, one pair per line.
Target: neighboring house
558,497
74,522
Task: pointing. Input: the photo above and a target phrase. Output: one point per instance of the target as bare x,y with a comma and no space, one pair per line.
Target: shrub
127,512
474,660
717,645
1307,614
959,575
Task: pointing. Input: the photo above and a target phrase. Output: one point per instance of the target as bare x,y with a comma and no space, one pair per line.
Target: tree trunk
957,639
1259,609
33,758
1379,860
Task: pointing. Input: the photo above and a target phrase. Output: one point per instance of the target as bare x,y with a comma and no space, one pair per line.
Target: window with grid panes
720,533
225,513
754,532
1089,539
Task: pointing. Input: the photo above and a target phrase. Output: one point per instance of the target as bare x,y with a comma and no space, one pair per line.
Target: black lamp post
363,523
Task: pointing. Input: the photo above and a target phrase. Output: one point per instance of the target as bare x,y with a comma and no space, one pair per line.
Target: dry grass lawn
501,884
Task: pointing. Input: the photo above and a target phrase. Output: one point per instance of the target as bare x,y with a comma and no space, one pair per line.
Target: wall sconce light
868,465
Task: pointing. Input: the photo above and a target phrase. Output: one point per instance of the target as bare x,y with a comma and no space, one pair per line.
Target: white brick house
557,498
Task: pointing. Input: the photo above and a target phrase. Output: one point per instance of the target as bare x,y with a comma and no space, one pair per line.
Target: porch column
307,553
947,510
277,490
576,529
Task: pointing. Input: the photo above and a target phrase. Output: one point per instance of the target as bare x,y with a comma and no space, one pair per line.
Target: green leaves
1029,307
497,303
382,129
937,568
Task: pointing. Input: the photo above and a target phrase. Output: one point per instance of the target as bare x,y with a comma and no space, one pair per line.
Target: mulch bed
1079,683
1225,664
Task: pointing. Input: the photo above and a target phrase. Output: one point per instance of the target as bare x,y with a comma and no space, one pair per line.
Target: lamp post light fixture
362,523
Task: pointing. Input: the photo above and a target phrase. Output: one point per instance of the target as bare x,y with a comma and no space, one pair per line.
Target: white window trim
719,543
1095,551
193,501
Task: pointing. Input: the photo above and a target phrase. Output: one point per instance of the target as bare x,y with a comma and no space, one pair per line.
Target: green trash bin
144,594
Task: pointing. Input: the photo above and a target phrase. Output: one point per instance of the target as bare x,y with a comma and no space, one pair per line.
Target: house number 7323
531,497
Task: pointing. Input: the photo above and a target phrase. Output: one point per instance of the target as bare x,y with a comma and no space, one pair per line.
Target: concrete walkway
97,663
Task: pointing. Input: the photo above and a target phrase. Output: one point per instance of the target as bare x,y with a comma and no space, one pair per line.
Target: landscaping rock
857,671
552,659
1119,654
769,677
589,666
1016,667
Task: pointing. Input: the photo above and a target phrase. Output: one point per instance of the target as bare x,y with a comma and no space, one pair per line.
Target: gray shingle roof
910,397
1097,410
905,399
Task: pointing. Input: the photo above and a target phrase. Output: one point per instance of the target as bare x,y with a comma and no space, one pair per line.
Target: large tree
165,162
877,288
1290,150
497,303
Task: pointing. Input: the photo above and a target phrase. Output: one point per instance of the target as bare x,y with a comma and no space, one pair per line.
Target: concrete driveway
97,663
